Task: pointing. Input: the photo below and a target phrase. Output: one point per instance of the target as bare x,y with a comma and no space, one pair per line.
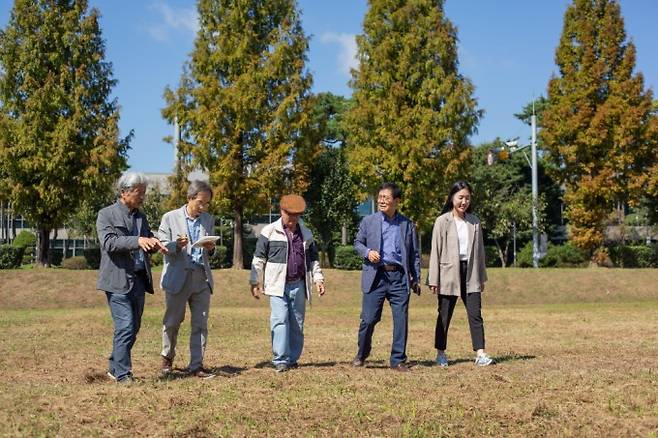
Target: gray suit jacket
115,234
370,237
178,262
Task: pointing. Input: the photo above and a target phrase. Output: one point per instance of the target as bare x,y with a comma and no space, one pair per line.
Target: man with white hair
186,276
125,272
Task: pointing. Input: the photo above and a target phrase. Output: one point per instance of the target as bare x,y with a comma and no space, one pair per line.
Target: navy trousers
391,286
126,312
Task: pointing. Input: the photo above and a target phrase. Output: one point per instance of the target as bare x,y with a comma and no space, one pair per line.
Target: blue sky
506,48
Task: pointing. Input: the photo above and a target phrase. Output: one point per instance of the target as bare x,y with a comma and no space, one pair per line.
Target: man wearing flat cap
284,267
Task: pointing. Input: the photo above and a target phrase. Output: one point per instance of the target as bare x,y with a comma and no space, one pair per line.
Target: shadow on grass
223,371
497,360
329,364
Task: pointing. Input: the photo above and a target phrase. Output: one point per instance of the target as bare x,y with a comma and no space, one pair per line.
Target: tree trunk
43,247
237,239
501,255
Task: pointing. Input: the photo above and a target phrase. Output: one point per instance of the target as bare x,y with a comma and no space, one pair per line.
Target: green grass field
577,354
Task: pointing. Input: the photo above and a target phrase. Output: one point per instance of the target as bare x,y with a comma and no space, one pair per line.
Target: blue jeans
126,312
287,323
392,287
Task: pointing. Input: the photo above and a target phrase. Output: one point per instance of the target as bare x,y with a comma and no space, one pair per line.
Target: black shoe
166,366
358,362
281,367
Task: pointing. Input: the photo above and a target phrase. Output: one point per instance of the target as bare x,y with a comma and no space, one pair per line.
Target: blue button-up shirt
391,252
138,254
194,232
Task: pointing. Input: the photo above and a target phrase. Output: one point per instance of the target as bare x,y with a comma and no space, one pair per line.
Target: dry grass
576,352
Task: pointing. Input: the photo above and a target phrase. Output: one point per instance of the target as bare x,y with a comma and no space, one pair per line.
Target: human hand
320,286
181,241
434,289
415,288
148,244
256,291
374,256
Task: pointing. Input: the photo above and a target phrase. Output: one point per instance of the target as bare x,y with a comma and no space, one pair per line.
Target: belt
292,280
390,268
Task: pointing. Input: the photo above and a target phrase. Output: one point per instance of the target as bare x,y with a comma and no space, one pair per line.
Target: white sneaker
442,360
482,360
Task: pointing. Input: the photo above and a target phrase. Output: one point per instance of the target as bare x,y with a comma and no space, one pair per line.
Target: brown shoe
358,362
401,367
203,373
167,365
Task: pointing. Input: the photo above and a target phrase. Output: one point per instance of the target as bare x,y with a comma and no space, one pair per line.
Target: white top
462,233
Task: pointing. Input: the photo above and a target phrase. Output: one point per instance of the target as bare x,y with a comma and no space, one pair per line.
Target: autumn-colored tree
242,104
412,110
59,136
598,126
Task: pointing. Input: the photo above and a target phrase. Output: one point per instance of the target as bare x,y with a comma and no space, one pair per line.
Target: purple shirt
295,267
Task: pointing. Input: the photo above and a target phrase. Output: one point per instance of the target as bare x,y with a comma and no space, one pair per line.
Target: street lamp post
535,193
535,185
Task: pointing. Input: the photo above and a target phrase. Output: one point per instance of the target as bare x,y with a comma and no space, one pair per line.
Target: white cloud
347,55
171,20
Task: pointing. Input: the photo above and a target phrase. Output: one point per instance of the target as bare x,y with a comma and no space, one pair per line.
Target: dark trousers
473,303
126,312
391,286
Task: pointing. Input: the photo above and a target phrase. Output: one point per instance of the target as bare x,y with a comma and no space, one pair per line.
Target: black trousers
473,303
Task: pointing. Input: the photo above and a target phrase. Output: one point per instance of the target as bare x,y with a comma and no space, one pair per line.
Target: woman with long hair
457,269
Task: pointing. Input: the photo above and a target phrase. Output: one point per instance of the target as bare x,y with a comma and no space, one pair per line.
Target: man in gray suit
186,276
125,272
388,244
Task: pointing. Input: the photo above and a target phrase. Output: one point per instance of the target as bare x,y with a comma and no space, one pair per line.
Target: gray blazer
370,237
178,262
444,258
115,234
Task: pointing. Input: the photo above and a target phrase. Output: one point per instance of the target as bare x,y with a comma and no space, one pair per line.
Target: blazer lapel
378,232
181,225
471,237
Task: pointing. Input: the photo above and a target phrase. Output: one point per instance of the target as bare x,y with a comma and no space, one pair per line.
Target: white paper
205,239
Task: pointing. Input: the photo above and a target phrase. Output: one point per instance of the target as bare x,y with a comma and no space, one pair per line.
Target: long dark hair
457,186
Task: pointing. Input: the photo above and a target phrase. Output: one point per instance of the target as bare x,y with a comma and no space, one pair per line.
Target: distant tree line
248,118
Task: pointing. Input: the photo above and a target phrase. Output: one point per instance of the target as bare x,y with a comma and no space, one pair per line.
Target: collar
187,216
125,210
394,219
295,231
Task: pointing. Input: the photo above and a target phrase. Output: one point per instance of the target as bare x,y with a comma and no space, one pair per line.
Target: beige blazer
178,262
444,258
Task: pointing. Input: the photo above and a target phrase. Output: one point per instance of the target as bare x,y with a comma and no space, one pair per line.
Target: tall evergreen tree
242,104
59,137
598,126
331,195
412,109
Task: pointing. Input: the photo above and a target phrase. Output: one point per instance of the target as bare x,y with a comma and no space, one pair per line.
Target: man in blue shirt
388,243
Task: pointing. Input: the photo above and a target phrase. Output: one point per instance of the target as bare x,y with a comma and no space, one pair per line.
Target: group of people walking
285,267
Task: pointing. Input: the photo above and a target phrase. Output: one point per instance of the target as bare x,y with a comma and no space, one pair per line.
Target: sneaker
111,376
128,380
167,365
483,360
442,360
281,367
